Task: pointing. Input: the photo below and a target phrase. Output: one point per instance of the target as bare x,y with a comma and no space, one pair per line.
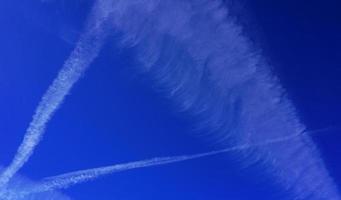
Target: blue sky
115,114
303,39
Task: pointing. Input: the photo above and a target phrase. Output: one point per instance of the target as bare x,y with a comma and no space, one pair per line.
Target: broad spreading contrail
81,57
201,57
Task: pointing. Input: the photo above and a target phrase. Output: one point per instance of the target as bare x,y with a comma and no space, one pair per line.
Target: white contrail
201,57
81,57
72,178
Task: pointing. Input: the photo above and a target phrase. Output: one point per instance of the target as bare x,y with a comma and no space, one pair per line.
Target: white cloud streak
72,178
18,183
202,59
200,56
81,57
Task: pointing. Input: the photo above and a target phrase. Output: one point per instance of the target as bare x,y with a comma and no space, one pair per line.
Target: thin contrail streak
81,57
66,180
69,179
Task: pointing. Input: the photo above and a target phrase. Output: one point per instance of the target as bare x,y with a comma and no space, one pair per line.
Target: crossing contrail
69,179
201,57
204,61
81,57
72,178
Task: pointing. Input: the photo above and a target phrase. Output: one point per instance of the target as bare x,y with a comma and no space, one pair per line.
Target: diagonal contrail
66,180
72,178
201,55
81,57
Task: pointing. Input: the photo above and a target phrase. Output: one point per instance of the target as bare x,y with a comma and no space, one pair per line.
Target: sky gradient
116,114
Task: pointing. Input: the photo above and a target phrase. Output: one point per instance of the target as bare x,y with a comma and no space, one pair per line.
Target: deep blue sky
114,114
302,39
